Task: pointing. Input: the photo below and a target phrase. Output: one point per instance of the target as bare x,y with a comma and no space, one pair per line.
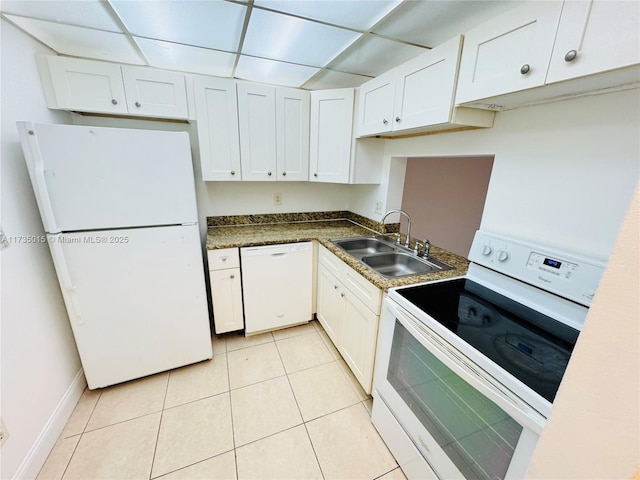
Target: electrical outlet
379,207
277,198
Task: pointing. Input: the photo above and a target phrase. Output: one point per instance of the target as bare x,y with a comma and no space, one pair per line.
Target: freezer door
88,178
136,300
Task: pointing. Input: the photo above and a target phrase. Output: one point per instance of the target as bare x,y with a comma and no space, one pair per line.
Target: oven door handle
491,388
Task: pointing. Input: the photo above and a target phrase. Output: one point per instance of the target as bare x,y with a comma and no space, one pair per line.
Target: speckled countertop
245,231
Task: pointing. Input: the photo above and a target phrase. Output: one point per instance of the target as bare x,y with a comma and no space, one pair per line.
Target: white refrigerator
119,212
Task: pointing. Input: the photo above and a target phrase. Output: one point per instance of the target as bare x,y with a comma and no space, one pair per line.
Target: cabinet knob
269,173
342,294
385,121
335,287
524,69
232,276
315,174
114,101
397,119
284,174
138,104
233,172
570,56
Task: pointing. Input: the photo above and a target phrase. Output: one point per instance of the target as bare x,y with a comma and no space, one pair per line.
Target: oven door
464,423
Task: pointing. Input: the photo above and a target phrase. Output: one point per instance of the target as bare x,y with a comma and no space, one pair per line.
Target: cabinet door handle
284,174
315,174
397,119
232,277
524,69
269,173
570,56
114,101
342,294
385,121
335,287
233,172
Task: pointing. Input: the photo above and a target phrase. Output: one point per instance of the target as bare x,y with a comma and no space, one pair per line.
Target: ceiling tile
80,41
276,73
326,79
290,39
174,56
373,56
211,24
357,14
436,21
88,13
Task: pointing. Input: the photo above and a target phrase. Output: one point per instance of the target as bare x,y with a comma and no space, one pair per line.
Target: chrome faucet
408,239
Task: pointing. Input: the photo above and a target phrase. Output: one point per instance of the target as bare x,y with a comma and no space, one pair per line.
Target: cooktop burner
531,346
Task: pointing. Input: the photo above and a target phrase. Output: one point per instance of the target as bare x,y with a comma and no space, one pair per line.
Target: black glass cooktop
529,345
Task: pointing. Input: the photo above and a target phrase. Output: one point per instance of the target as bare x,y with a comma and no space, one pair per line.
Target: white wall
563,173
40,366
593,429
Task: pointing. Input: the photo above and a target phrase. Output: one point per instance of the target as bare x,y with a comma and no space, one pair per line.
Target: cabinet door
155,93
595,36
509,53
425,87
217,122
329,304
257,120
292,134
226,296
358,339
87,86
331,127
375,106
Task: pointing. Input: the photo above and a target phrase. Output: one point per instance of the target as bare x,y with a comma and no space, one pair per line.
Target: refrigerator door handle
35,165
68,288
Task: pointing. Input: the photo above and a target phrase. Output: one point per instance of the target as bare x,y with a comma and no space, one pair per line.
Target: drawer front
223,258
332,263
363,289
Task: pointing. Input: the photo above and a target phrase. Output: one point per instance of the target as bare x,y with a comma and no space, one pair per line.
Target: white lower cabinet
226,289
349,311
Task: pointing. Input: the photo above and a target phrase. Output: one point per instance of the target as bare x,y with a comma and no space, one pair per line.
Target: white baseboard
41,448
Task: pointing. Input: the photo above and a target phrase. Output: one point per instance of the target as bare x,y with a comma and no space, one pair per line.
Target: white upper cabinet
155,93
331,132
257,120
84,85
595,36
416,96
217,122
101,87
292,134
509,53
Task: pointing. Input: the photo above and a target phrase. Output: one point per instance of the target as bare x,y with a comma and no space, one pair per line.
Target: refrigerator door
136,300
90,178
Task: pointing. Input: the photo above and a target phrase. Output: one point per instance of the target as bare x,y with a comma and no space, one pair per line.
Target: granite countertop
229,232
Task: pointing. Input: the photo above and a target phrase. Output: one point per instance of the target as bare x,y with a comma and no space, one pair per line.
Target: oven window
476,434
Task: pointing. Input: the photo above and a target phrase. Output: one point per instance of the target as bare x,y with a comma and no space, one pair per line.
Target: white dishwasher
276,286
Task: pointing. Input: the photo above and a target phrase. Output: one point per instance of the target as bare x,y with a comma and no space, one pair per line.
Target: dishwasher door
276,286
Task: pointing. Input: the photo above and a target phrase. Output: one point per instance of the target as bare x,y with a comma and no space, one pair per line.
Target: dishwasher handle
275,250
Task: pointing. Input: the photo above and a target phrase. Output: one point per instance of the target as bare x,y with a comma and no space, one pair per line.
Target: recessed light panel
210,24
80,41
174,56
88,13
291,39
331,79
270,71
373,56
357,14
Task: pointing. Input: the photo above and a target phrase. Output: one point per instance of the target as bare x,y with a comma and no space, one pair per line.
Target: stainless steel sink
388,258
398,264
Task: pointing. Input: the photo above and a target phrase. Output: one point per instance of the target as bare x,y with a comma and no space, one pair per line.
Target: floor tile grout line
233,432
155,447
194,463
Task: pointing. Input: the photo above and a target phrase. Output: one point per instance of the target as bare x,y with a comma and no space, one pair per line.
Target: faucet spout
402,212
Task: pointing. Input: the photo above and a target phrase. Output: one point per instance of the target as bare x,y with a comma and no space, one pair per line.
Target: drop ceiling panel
270,71
357,14
174,56
327,79
80,41
88,13
211,24
291,39
374,55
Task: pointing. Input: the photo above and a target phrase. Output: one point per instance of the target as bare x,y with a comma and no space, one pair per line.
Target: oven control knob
486,250
502,255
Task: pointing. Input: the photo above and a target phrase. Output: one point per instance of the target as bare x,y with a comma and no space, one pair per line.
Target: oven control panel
562,273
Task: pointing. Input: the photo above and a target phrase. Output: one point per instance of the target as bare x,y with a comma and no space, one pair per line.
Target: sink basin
396,264
360,247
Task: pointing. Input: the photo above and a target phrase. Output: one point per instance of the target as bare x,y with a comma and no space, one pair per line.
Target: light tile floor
280,405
